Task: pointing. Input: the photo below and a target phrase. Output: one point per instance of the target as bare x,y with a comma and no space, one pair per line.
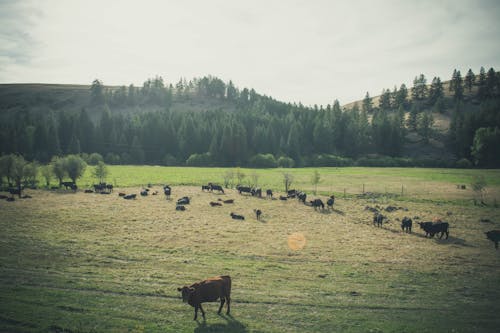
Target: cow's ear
179,289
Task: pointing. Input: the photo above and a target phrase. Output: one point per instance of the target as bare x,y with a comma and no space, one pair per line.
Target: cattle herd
219,288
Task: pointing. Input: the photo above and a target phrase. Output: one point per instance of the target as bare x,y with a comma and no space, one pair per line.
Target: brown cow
209,290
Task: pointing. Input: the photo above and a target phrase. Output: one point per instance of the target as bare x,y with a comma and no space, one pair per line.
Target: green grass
75,262
417,183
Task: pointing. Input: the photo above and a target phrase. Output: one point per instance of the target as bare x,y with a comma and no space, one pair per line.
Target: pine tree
470,79
367,105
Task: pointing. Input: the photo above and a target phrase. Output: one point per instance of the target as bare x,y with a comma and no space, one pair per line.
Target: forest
209,122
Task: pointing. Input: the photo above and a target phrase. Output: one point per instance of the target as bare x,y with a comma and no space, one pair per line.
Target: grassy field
417,183
75,262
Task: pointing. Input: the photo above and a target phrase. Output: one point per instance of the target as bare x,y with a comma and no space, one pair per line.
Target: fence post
363,188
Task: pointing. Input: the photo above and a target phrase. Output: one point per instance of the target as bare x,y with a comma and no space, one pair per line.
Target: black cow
109,187
317,203
215,187
330,201
183,201
129,196
432,228
68,185
269,193
282,198
257,192
292,193
144,193
205,187
406,224
237,217
213,204
244,189
258,213
180,207
167,190
228,201
301,196
210,290
14,191
494,236
378,219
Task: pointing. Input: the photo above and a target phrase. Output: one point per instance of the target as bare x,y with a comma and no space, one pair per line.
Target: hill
216,124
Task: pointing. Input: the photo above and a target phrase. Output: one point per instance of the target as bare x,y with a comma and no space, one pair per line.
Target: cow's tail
227,278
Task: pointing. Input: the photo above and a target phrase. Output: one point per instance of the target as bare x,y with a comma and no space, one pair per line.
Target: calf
317,203
330,201
167,191
237,217
144,193
209,290
378,219
214,187
432,228
213,204
129,196
257,192
258,213
183,201
494,236
406,224
180,208
269,193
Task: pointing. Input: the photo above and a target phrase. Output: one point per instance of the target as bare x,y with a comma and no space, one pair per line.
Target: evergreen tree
401,99
456,85
96,93
435,91
482,90
470,79
367,105
385,99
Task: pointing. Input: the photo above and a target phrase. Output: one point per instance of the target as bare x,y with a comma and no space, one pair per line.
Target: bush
112,158
199,160
464,164
286,162
327,160
95,158
263,161
169,160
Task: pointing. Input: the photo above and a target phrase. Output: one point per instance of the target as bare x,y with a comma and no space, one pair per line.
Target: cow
282,198
109,187
494,236
213,204
180,208
121,194
292,193
269,193
215,187
406,224
183,201
209,290
432,228
237,217
378,219
330,201
129,196
144,193
301,196
14,191
244,189
99,187
68,185
167,190
205,187
258,213
256,192
228,201
317,203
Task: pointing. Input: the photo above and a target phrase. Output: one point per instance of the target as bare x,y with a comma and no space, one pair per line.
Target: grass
417,183
75,262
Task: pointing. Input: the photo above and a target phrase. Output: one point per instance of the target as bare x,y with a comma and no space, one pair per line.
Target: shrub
169,160
263,161
112,158
464,163
286,162
95,158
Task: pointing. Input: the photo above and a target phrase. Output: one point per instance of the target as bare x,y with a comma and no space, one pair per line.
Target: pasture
76,262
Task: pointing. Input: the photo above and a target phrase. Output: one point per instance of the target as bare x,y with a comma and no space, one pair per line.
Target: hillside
218,124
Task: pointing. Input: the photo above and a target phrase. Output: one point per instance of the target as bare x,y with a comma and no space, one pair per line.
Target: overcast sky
308,51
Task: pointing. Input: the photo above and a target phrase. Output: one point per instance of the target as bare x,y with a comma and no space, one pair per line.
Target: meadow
76,262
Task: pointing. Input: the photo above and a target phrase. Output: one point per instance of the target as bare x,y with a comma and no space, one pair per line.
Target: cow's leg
496,247
228,299
195,312
447,234
222,301
202,312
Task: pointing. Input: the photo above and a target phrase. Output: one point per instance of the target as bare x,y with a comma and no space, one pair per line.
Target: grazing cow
68,185
317,203
210,290
269,193
256,192
406,224
183,201
205,187
244,189
144,193
432,228
215,187
378,219
292,193
237,217
282,198
301,196
494,236
258,213
129,196
180,207
109,187
213,204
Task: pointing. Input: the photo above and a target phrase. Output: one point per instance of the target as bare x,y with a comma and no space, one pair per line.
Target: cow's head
185,292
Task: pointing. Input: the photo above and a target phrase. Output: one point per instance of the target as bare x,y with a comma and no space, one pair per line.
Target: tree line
257,130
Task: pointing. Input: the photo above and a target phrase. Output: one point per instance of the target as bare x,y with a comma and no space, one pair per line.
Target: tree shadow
232,325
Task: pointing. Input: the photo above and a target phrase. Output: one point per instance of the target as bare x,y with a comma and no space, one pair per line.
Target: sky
295,51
